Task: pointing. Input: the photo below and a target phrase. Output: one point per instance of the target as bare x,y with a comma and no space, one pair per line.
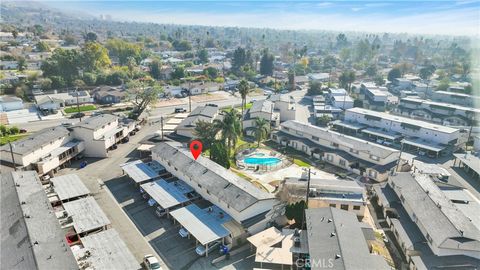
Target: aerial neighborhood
318,149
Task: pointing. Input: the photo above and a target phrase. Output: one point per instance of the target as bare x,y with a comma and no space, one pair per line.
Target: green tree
239,59
266,63
295,211
142,94
346,79
220,154
46,84
393,74
314,89
371,71
211,72
94,57
206,132
444,84
230,129
155,69
14,33
21,63
243,90
14,130
182,45
323,120
122,50
90,37
261,130
42,46
358,103
379,80
178,73
426,72
64,64
203,56
3,130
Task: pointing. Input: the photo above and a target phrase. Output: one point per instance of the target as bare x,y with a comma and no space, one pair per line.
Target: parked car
180,110
22,130
211,105
183,232
201,250
150,262
77,115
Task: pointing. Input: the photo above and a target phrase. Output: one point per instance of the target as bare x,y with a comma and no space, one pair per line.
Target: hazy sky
430,17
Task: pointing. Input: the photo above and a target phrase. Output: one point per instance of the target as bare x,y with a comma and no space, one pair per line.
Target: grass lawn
248,106
83,108
301,163
11,138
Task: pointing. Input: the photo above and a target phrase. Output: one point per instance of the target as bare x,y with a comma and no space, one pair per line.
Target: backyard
83,108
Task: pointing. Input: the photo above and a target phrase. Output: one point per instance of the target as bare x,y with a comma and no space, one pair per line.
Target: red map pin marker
196,148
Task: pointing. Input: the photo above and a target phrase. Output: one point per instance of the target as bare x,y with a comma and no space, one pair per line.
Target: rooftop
86,215
206,225
441,104
261,106
96,122
341,139
446,225
167,194
472,161
234,191
394,118
31,235
107,251
69,186
140,171
336,235
37,140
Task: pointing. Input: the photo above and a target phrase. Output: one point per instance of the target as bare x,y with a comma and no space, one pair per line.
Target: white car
201,250
183,232
151,262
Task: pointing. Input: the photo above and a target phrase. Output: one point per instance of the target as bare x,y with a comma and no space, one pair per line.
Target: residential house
285,105
349,153
10,103
374,98
57,100
8,65
319,77
205,113
109,94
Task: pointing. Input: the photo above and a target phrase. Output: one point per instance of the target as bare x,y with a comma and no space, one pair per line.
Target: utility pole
307,195
161,125
13,157
399,158
78,104
468,138
189,96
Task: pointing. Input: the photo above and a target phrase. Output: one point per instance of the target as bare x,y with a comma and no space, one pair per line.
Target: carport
168,195
206,225
141,172
429,148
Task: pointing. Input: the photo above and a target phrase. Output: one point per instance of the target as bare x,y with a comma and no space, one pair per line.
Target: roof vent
22,203
332,234
322,219
337,256
26,216
296,232
461,232
330,220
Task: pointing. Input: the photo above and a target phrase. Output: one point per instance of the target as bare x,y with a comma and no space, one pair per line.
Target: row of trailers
172,198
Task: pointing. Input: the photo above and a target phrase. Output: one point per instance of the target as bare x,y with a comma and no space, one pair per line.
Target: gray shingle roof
31,235
96,122
69,186
333,136
336,236
444,222
203,113
236,192
86,214
37,140
262,106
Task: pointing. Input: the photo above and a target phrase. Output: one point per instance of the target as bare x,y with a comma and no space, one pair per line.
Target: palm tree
243,89
206,132
229,128
261,129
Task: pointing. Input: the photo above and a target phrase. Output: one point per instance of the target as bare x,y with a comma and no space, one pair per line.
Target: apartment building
438,112
43,151
413,134
435,227
101,133
373,97
206,113
50,148
245,203
350,153
285,105
456,98
343,194
57,100
261,109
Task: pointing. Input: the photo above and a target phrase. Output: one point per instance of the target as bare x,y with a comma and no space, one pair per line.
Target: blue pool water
261,160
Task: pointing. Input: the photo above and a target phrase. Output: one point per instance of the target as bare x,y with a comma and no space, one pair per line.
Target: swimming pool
261,160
